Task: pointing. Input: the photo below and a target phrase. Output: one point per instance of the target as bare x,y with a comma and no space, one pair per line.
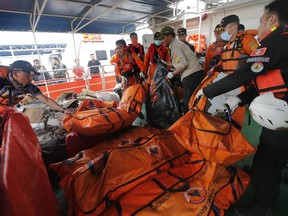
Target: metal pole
46,86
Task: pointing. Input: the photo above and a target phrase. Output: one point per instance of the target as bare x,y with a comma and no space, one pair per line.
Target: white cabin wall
249,15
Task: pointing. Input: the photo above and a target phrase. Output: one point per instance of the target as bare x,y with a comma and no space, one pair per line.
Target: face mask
158,42
225,36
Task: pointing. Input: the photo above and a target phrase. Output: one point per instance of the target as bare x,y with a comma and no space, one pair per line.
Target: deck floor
252,133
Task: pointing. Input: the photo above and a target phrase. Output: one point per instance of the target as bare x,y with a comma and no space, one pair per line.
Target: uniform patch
195,195
258,52
257,67
258,59
254,46
176,59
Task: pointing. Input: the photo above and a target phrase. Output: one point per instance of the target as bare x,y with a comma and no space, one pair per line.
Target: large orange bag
214,139
189,189
24,184
97,184
133,97
87,104
124,138
238,115
101,121
232,192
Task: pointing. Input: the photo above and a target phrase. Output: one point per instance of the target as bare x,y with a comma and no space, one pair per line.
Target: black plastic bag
162,104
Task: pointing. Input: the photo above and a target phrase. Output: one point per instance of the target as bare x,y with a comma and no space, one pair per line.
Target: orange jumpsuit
129,66
150,61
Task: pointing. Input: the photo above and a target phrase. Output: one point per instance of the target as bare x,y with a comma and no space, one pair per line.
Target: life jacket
156,53
233,54
138,50
6,97
126,64
193,39
215,51
275,81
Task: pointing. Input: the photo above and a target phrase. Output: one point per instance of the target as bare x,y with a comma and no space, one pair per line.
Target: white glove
170,75
232,102
117,86
142,75
124,79
199,93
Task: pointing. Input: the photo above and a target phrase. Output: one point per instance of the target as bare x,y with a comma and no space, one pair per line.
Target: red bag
24,184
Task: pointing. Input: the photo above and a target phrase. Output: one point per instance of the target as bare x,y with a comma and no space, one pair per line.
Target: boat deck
252,133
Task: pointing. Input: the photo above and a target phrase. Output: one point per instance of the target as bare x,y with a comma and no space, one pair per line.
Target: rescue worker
238,47
182,34
241,28
157,51
234,54
267,66
135,46
16,81
185,63
214,51
127,65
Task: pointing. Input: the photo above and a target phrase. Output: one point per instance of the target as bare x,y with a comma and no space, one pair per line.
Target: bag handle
91,165
227,112
74,159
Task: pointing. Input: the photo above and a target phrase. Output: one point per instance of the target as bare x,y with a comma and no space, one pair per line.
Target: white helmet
270,112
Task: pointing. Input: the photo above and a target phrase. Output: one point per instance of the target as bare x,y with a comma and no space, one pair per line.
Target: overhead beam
37,13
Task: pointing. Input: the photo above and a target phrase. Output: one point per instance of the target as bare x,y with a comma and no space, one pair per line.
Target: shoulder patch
257,67
258,52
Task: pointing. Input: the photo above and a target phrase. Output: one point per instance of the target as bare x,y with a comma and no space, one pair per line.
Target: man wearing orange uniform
135,46
239,45
234,54
213,55
156,51
127,65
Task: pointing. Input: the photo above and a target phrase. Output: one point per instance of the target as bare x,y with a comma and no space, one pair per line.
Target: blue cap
24,66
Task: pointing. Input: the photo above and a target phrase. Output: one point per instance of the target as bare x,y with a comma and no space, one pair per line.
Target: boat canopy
80,16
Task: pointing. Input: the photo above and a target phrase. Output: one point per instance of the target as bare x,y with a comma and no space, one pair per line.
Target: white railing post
103,77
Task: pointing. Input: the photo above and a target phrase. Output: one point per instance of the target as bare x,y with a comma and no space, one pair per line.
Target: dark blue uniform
272,153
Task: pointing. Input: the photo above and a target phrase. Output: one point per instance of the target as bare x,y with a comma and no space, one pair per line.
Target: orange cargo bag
231,193
97,184
101,121
87,104
133,97
189,189
122,139
214,139
237,116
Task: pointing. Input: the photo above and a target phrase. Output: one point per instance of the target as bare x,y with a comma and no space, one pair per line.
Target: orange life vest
139,48
235,53
193,39
154,51
213,55
273,81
